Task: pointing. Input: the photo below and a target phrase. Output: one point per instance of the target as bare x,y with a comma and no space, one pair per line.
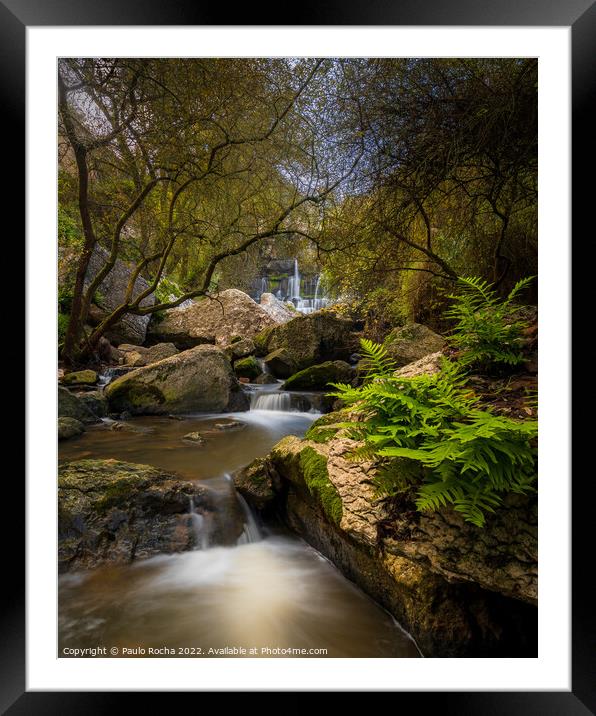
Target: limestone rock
138,356
212,320
318,377
199,379
306,340
112,511
412,342
427,365
69,428
69,406
80,377
112,290
278,310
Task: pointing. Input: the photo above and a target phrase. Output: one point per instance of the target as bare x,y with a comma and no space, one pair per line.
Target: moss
117,493
316,478
262,340
80,377
324,428
247,367
127,394
318,377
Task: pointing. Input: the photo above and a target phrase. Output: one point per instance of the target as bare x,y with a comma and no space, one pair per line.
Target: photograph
297,357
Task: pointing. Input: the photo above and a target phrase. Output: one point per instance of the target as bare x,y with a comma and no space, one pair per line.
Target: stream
271,595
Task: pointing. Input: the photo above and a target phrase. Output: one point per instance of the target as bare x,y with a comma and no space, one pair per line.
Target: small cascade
251,531
106,376
199,526
262,365
280,401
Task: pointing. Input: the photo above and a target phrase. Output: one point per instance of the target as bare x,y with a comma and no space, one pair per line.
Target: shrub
486,332
466,457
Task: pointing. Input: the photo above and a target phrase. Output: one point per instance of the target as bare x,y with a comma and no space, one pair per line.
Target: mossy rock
69,406
259,483
280,363
412,342
316,478
318,377
69,428
80,377
325,427
247,368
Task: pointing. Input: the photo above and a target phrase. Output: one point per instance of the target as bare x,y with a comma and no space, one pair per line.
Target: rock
230,425
458,589
199,379
194,437
278,310
427,365
265,379
138,356
69,428
212,320
115,512
96,402
247,367
304,341
80,377
69,406
412,342
112,290
130,427
240,347
259,483
280,363
318,377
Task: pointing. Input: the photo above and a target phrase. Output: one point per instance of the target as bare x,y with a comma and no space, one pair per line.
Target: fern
376,361
485,331
466,457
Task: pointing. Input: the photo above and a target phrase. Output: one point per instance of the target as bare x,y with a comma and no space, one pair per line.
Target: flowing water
269,593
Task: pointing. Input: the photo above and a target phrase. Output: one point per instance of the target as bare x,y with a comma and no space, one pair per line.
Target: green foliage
469,457
63,321
375,362
486,331
167,290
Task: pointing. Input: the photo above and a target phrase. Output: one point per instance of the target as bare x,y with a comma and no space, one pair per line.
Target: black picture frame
580,15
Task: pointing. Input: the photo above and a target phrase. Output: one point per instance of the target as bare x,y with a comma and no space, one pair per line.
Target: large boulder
278,310
199,379
458,589
69,428
111,293
318,377
304,341
138,356
214,319
112,511
69,406
412,342
80,377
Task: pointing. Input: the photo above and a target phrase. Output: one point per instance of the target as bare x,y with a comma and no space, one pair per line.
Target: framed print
287,433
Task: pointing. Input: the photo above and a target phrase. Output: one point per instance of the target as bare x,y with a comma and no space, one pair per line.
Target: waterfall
105,377
294,283
199,527
251,532
279,401
317,287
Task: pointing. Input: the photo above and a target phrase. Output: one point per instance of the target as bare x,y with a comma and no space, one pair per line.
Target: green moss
316,477
247,367
324,428
127,394
117,493
318,377
80,377
262,339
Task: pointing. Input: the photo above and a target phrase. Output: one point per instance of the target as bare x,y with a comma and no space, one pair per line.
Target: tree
182,164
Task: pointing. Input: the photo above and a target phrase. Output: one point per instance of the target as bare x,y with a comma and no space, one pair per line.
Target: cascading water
199,526
251,532
279,400
298,290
